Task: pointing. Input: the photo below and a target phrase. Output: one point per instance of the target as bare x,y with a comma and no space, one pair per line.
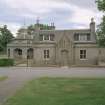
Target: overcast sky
66,14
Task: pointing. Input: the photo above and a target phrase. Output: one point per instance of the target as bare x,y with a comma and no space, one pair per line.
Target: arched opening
30,53
18,53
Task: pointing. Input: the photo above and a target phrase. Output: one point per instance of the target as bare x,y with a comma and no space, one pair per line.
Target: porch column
49,37
43,37
11,53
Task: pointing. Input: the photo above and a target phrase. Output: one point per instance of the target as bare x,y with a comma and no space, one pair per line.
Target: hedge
6,62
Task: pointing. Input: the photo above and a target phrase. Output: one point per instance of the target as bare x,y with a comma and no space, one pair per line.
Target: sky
66,14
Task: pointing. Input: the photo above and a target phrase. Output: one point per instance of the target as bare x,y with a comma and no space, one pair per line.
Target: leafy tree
101,27
101,5
5,37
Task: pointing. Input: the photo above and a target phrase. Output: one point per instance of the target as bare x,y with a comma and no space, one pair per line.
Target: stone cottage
46,46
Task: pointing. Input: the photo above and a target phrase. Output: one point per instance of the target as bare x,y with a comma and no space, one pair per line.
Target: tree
101,5
5,37
101,27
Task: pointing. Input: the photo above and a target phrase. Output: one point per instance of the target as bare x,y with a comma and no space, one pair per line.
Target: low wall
101,57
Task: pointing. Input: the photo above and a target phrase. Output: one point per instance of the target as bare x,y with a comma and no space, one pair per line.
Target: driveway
18,76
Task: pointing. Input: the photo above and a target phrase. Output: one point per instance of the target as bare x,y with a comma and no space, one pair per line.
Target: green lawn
61,91
3,78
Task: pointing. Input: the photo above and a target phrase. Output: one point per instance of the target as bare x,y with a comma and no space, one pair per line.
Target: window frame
46,37
41,37
83,54
52,36
76,36
88,36
46,54
82,37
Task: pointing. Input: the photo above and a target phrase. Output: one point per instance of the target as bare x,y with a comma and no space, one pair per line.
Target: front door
30,53
64,56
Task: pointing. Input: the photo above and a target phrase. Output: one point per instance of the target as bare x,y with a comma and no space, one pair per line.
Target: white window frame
45,37
82,37
52,36
83,56
46,54
76,37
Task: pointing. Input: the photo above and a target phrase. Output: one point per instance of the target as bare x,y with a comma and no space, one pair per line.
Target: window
19,52
41,37
82,54
46,54
46,37
52,37
76,37
82,37
30,53
88,37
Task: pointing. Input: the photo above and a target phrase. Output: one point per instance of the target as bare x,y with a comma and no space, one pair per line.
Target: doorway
30,53
64,59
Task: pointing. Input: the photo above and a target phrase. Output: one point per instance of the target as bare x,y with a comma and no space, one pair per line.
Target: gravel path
18,76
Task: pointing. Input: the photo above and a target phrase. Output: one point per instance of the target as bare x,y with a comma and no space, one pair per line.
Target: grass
61,91
3,78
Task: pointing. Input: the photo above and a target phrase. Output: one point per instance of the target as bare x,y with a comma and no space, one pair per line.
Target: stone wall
91,55
39,59
101,56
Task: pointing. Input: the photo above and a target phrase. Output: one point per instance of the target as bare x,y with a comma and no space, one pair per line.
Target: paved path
17,76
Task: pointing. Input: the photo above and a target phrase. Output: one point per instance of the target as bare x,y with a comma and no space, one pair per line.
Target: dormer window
52,37
82,37
41,37
46,37
76,37
88,37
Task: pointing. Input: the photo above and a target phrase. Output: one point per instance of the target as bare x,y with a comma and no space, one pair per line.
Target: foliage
101,33
61,91
101,27
101,5
6,62
5,37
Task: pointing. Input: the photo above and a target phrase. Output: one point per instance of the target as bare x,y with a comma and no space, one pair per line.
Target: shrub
6,62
